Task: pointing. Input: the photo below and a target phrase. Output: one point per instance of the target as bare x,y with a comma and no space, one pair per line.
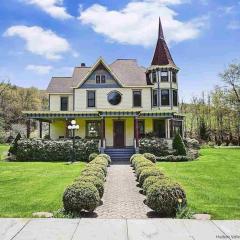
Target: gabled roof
99,62
60,85
126,72
162,55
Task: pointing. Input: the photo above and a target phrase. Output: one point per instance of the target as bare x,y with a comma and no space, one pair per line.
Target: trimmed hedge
147,173
150,157
87,190
165,197
49,150
81,196
97,182
172,158
107,157
92,156
162,195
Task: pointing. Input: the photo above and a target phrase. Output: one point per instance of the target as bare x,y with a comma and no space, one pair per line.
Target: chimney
83,65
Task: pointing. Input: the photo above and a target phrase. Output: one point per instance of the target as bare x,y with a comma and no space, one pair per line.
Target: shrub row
49,150
172,158
87,190
162,195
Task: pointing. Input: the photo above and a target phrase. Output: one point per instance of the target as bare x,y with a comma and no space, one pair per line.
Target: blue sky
44,38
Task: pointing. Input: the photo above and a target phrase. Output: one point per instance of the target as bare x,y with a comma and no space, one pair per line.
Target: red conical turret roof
162,55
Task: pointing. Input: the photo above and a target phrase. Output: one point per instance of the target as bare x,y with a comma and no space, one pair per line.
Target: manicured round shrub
107,157
93,173
150,157
139,170
137,160
143,163
134,156
164,197
150,181
97,182
100,160
81,196
92,156
147,173
96,167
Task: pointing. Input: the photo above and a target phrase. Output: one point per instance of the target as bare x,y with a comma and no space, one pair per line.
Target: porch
114,129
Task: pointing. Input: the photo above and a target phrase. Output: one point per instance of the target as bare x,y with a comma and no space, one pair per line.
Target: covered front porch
114,129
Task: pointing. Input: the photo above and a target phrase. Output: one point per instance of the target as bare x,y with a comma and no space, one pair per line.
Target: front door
118,133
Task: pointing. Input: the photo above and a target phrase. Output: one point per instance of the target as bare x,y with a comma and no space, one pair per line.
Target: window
141,128
64,103
91,98
100,79
174,77
93,129
159,128
165,97
114,98
137,98
175,98
103,79
154,77
154,98
176,127
164,76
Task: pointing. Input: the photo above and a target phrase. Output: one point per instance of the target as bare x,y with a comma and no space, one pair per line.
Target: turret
162,74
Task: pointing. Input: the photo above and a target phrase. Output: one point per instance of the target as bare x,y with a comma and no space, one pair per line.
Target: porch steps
120,154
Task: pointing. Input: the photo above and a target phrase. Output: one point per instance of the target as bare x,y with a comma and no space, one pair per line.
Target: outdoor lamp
73,126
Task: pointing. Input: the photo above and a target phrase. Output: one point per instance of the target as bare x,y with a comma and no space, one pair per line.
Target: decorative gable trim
100,61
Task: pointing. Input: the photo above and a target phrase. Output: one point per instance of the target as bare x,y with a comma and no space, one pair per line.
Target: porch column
40,129
167,128
102,131
136,131
28,128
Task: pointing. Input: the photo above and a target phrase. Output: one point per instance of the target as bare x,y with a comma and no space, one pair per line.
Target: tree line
215,116
14,100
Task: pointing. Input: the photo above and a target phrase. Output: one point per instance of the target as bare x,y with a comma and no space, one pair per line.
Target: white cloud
39,69
234,25
137,22
39,41
54,8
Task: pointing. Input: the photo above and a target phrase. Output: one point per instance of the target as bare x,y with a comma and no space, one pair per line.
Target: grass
3,150
34,186
212,183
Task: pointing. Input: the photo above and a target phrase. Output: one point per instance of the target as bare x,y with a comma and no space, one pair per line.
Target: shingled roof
126,71
162,55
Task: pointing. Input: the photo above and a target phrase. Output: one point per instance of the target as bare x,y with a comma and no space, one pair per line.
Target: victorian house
117,103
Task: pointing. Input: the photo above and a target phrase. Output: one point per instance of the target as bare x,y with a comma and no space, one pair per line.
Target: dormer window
100,79
164,76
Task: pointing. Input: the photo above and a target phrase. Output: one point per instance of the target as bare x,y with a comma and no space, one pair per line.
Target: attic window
100,79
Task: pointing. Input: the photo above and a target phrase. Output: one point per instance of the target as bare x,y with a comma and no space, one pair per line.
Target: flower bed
49,150
162,195
87,190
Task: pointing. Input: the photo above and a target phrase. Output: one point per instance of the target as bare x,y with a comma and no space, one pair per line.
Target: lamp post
73,126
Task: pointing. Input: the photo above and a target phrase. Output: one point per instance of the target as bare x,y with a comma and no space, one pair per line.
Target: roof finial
160,30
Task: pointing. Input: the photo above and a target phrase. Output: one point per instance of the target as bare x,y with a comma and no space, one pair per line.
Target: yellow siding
148,125
57,128
55,102
102,102
109,132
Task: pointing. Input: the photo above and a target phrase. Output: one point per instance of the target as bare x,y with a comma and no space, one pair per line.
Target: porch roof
101,113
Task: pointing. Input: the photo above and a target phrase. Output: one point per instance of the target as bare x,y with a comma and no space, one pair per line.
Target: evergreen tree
178,145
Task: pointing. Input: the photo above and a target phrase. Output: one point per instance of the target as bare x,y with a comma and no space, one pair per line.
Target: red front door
118,134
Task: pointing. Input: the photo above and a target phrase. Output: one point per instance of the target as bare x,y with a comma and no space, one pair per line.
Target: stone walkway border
117,229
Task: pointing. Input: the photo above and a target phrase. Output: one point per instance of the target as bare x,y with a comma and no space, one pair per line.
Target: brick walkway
121,198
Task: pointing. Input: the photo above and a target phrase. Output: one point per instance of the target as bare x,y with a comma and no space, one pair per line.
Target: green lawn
3,151
32,187
212,183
